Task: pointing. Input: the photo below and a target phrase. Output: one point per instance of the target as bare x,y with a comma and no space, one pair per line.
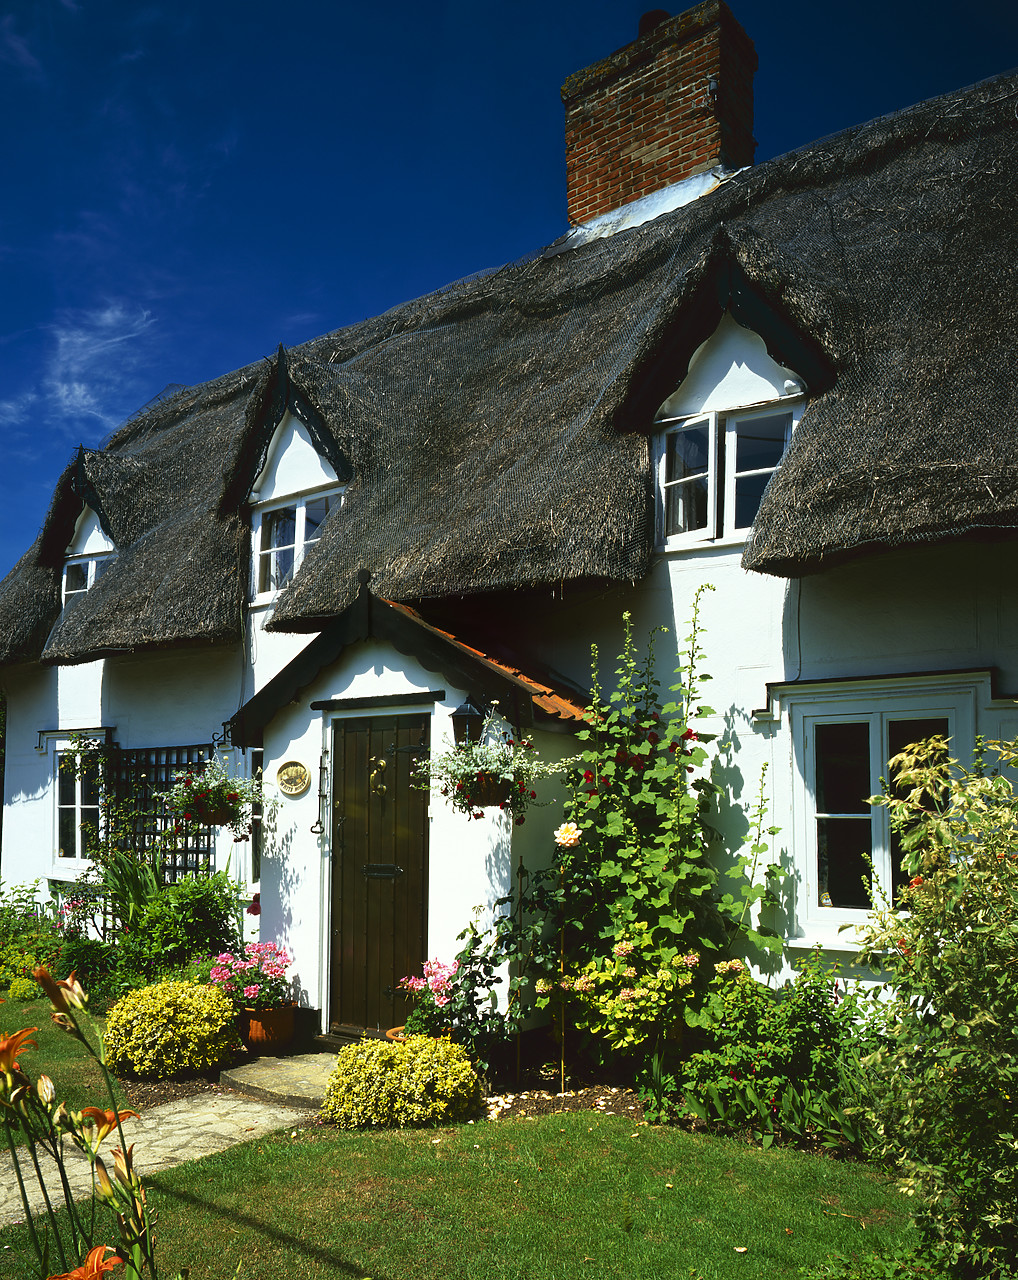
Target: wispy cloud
14,48
94,375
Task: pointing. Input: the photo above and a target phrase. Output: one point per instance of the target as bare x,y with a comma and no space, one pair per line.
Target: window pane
88,825
748,492
843,768
66,790
90,786
688,453
101,566
76,577
686,506
279,528
760,442
315,511
275,569
844,847
66,833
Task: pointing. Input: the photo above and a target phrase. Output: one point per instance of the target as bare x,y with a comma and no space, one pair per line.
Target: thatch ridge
496,430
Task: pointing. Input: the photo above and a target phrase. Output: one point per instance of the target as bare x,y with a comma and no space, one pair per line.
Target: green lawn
77,1077
580,1195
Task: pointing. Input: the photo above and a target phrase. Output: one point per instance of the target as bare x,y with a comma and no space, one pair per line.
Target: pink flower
252,992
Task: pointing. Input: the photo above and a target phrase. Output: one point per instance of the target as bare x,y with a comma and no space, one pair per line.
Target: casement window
712,469
843,737
81,573
78,814
283,533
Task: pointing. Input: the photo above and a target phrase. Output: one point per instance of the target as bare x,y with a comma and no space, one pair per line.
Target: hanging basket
267,1030
488,790
214,817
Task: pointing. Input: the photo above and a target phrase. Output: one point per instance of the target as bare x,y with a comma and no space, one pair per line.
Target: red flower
232,797
520,820
653,739
255,909
588,776
691,736
533,795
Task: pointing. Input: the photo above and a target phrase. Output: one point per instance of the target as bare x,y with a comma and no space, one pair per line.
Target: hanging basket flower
205,794
501,770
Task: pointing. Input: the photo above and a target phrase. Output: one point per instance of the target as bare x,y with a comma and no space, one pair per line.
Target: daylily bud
106,1189
44,1088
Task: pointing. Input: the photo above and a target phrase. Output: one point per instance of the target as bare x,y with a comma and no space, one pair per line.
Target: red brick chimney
675,102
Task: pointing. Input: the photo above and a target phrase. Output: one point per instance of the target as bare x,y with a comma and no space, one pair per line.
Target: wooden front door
379,868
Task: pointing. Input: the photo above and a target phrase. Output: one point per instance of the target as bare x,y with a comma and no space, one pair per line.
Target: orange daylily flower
64,993
103,1122
96,1264
10,1046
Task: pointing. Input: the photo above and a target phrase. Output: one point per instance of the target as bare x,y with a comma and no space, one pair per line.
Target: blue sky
184,186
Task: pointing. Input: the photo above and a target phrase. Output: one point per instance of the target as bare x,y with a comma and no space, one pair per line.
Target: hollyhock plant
255,979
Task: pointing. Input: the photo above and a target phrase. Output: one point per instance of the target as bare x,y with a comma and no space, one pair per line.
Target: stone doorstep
297,1081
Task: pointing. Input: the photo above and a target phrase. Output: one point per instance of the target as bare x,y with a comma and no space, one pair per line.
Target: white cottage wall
949,608
471,862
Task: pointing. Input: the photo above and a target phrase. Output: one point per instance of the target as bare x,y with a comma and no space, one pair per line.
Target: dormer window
284,535
720,437
293,495
715,467
89,555
82,573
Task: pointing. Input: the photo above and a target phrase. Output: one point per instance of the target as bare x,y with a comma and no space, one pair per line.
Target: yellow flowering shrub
171,1029
381,1084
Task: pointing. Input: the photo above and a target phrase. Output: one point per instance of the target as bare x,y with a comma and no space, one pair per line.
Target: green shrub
948,1110
91,960
193,918
170,1029
379,1084
781,1064
25,989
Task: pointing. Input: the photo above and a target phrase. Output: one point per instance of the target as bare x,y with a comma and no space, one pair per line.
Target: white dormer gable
88,556
293,495
721,436
731,370
89,538
293,464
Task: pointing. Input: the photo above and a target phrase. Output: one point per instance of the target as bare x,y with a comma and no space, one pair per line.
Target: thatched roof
496,431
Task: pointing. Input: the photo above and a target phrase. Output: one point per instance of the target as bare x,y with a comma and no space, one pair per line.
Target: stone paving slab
298,1081
164,1136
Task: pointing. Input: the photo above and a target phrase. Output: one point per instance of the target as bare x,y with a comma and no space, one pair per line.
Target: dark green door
379,868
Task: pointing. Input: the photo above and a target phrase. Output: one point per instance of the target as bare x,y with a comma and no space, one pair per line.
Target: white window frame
301,546
95,565
877,703
77,862
722,426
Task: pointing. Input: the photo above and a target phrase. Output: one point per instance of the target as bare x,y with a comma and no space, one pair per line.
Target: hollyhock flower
567,835
255,909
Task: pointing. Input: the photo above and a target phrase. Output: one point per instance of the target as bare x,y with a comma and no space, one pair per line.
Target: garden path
285,1091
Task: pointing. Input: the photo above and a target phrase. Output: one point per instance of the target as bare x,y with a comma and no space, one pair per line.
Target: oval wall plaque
293,778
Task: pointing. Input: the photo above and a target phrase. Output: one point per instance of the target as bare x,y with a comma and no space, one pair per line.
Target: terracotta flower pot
267,1030
395,1033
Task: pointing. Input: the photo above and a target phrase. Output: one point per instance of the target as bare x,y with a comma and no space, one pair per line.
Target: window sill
826,937
672,547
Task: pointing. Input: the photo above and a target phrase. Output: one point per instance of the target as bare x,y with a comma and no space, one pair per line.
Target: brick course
644,118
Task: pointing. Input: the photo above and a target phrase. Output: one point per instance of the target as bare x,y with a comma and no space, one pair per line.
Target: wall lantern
467,723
